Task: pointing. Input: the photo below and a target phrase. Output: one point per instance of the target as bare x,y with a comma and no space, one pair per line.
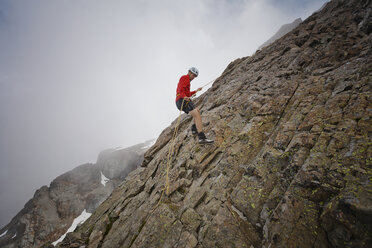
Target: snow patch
104,179
15,235
149,145
117,149
77,221
3,234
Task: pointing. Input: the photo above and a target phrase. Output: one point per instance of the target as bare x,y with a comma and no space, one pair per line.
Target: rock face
286,28
52,209
291,164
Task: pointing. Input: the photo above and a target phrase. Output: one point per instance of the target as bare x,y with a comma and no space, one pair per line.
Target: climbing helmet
194,71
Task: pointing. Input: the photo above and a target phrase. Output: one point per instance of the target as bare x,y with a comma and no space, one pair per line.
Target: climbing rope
209,83
171,147
171,150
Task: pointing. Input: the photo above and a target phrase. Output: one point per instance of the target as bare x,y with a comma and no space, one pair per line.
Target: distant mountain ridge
281,32
286,28
48,215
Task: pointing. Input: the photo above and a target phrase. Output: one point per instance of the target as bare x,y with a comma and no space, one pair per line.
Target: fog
77,77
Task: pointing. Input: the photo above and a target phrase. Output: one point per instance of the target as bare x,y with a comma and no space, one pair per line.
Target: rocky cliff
51,211
291,165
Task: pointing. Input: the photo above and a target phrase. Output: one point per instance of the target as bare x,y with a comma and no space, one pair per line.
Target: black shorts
187,105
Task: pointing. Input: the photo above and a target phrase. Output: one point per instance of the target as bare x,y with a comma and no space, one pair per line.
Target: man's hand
199,89
186,98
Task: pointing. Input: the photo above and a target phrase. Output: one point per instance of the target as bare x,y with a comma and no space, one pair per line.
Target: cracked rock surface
291,164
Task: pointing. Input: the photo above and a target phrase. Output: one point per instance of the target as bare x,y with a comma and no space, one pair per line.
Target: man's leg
197,119
199,126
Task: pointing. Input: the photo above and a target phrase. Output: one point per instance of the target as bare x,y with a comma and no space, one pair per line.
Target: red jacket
183,87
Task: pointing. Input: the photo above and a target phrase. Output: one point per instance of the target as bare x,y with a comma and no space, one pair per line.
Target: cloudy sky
80,76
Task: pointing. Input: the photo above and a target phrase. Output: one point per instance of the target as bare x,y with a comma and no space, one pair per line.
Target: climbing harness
171,148
170,151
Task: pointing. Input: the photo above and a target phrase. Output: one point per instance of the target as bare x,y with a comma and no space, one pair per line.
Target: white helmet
194,71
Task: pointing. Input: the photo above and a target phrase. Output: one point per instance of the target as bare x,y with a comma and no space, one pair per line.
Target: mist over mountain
73,195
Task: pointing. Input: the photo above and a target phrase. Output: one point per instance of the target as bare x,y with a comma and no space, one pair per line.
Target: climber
183,100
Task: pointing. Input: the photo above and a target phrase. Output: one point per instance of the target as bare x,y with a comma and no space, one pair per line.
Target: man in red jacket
183,100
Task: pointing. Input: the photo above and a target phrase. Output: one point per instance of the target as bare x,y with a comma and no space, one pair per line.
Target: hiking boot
203,139
193,129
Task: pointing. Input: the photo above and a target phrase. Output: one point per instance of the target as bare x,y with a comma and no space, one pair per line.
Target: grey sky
77,77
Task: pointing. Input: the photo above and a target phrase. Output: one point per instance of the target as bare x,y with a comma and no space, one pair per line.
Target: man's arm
193,92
